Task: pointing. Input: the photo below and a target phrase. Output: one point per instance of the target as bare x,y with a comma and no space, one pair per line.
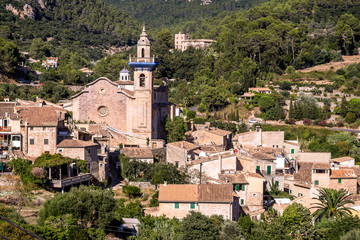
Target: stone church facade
134,111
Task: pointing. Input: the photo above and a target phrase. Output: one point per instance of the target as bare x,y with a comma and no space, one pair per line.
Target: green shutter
292,151
177,205
192,205
277,183
243,187
339,180
268,170
237,187
242,202
316,182
257,168
290,191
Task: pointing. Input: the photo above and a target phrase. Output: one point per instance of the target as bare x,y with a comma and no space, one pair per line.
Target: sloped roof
304,173
8,108
125,70
138,152
184,144
39,116
342,159
73,143
196,193
343,173
320,165
233,178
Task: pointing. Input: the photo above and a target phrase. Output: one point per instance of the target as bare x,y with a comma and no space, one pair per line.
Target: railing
56,183
5,129
142,59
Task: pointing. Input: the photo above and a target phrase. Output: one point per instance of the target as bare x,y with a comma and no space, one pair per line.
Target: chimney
165,183
182,144
220,163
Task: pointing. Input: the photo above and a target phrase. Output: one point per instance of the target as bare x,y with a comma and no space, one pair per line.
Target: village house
50,62
260,90
181,153
210,136
177,200
273,139
183,42
139,154
84,150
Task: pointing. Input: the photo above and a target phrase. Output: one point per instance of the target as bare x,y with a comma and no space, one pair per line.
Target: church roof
125,70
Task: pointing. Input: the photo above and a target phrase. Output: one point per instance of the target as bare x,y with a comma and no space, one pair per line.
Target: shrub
322,123
131,191
191,114
307,122
340,124
154,202
290,121
350,117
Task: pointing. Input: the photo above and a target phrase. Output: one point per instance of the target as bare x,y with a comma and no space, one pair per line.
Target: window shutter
316,182
339,180
237,187
177,205
292,151
242,202
243,187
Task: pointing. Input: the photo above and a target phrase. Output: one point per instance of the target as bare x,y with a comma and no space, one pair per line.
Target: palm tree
332,203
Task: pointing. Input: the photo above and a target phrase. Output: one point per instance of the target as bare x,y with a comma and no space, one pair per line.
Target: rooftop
320,165
303,176
184,144
342,159
39,116
196,193
138,152
343,173
233,178
73,143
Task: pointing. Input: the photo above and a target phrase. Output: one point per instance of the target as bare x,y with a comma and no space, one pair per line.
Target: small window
32,141
316,182
292,151
257,168
89,151
237,187
44,128
143,52
300,194
46,141
290,191
142,80
242,201
46,151
192,205
31,128
61,150
339,180
177,205
177,164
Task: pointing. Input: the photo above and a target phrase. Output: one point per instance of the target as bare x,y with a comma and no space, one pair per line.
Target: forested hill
161,13
82,26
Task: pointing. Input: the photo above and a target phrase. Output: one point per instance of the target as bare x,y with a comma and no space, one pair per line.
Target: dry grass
333,66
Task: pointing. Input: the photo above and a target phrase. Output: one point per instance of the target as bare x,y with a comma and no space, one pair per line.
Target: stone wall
175,154
143,185
39,134
349,184
272,138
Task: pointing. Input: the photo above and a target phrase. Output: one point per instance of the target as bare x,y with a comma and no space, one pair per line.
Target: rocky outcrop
27,11
42,4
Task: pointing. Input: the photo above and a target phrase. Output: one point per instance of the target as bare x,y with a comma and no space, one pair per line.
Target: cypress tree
291,110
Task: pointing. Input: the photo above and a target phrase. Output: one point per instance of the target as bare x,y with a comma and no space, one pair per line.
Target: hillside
161,13
85,27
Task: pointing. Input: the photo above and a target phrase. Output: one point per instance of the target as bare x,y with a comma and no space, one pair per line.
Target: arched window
143,52
142,80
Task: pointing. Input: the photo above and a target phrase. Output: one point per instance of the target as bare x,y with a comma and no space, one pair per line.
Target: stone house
344,178
210,136
180,153
273,139
139,154
260,90
87,151
183,42
177,200
50,62
343,161
39,128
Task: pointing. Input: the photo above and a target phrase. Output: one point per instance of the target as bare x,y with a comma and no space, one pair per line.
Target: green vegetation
332,203
175,129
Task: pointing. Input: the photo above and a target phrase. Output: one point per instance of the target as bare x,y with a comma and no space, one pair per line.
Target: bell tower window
143,52
142,80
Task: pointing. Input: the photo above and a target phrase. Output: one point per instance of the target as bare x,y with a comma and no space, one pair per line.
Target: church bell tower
143,65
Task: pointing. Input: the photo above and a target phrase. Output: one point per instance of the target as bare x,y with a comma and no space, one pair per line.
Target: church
133,110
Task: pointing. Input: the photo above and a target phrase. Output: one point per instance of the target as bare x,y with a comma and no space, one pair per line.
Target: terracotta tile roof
212,158
252,174
73,143
121,82
342,159
178,193
196,193
263,156
98,129
260,89
292,143
233,178
8,108
215,193
343,173
138,153
184,144
40,116
304,173
219,132
211,149
320,165
128,92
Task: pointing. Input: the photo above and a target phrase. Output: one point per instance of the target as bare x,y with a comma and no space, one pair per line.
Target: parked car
253,121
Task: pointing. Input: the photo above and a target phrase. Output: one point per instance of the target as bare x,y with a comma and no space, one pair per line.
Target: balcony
143,59
5,129
4,143
56,183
